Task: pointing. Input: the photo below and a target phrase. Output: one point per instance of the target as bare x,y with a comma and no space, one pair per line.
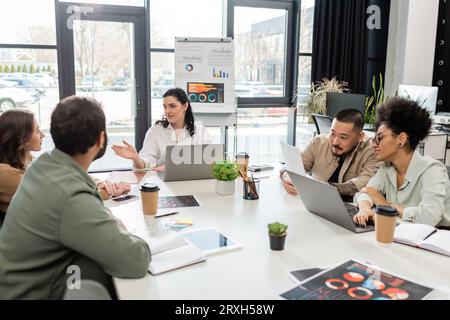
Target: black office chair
322,122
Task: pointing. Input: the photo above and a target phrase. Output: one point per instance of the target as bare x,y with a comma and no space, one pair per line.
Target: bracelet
282,172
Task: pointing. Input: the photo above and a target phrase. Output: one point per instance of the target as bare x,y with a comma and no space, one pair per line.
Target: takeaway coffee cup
385,220
149,197
242,159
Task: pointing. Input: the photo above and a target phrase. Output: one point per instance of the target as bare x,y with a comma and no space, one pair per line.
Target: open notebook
171,251
423,236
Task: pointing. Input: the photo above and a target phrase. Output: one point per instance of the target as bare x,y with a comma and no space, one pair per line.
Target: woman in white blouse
176,128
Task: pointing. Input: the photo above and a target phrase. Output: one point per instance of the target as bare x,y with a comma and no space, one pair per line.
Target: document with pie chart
356,281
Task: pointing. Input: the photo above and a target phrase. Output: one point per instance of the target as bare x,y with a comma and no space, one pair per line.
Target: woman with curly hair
417,186
19,135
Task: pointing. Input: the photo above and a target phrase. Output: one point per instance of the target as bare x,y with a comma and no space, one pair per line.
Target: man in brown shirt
343,157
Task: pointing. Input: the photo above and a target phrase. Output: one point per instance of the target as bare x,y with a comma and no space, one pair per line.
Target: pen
166,214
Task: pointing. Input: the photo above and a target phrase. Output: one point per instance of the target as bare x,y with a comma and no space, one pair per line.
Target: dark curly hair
182,97
403,115
16,129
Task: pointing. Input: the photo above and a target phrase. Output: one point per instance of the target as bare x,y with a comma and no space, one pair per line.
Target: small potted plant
225,172
277,235
373,102
317,97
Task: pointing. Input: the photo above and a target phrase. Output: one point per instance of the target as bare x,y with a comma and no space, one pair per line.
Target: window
260,47
28,60
134,3
259,132
27,22
199,18
304,130
162,79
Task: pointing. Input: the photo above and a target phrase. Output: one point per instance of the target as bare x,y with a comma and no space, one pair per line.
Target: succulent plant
277,228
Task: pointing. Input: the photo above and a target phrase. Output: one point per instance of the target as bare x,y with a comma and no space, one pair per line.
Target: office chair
435,146
337,101
322,122
89,290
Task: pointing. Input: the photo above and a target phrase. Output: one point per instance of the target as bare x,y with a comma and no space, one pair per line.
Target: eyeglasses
378,137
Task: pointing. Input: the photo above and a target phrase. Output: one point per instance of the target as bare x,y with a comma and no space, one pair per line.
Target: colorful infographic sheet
356,281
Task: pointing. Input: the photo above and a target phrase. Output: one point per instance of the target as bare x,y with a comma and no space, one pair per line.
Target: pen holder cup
251,189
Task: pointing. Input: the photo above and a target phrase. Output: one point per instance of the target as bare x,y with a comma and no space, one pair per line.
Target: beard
102,151
337,151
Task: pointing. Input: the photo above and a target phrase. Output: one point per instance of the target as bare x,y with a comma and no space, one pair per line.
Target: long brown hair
16,129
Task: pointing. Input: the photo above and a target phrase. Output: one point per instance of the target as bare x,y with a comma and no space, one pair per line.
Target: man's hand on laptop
290,188
160,168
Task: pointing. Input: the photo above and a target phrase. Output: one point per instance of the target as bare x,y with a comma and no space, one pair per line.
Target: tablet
210,240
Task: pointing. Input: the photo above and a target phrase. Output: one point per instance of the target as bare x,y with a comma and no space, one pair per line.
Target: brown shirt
10,178
358,167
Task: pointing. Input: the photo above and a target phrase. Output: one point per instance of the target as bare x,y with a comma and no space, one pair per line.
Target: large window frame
291,47
115,13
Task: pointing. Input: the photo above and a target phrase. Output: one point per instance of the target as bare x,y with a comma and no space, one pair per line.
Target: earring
400,145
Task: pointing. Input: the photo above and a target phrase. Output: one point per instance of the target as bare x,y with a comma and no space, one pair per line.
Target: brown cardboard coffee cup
149,197
385,220
242,159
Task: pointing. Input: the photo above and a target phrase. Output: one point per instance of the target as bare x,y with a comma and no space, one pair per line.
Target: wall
411,43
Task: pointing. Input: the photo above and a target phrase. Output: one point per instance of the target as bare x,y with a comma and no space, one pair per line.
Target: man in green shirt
57,229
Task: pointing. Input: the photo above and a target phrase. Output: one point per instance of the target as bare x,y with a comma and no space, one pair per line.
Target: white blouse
157,138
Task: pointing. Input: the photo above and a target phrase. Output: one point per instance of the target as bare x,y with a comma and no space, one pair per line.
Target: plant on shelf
277,235
317,98
374,101
225,172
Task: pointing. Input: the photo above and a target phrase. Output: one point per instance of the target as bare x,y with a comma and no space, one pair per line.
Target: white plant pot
225,188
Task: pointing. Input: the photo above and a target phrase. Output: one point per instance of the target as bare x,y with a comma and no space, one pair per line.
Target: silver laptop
324,200
191,162
292,157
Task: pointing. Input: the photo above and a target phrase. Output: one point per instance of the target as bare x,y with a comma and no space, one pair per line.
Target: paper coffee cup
385,220
149,197
242,159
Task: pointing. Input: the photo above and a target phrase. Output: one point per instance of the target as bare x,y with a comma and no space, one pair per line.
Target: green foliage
277,228
19,68
24,68
13,68
49,68
6,70
375,100
38,69
1,68
316,101
32,69
225,170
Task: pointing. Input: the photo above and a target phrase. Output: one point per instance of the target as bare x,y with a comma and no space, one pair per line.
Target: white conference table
255,271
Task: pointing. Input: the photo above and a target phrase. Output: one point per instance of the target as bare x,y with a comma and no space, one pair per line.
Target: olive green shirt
425,193
57,223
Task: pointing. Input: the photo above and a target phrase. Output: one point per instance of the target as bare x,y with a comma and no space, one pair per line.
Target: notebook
171,251
423,236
